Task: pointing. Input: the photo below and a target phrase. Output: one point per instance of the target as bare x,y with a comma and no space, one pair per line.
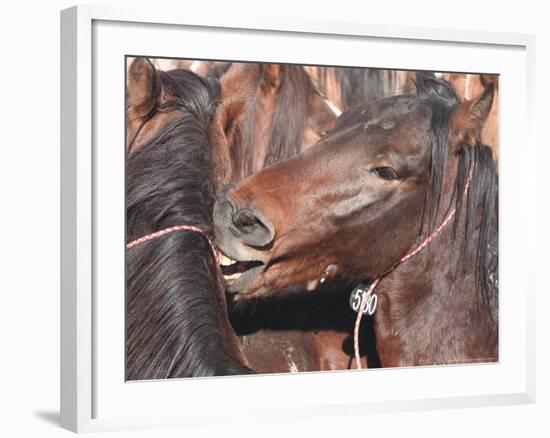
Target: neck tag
356,298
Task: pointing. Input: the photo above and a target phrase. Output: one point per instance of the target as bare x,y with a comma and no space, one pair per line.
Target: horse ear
144,87
238,88
469,117
272,76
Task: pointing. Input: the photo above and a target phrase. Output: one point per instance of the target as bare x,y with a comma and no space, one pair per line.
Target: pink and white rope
424,244
169,230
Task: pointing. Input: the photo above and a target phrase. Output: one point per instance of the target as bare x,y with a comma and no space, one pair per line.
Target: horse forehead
400,122
386,114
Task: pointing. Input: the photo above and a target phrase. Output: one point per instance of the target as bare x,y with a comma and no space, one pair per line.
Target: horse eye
385,173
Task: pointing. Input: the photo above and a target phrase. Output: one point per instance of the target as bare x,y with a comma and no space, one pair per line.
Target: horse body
429,307
378,184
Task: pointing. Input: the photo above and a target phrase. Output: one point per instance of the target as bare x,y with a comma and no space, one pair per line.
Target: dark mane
190,92
175,308
481,206
288,123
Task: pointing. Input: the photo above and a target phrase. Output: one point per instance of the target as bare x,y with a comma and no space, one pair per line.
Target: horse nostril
246,221
251,228
236,224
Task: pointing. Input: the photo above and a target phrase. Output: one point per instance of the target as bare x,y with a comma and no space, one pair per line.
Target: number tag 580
356,298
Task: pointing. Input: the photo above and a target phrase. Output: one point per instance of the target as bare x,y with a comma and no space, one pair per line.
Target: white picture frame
90,401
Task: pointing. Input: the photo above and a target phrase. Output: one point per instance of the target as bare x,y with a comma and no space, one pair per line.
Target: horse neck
430,307
170,275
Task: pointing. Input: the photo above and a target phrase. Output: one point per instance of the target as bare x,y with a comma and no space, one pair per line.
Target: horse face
238,85
354,200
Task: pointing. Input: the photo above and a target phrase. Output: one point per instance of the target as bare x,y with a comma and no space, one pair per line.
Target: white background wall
29,218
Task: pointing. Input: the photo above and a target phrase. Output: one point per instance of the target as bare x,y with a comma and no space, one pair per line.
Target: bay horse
397,176
180,128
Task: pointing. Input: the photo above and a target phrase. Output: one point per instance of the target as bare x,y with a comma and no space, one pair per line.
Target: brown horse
381,182
177,320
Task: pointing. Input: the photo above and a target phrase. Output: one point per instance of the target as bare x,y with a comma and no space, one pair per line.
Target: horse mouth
239,275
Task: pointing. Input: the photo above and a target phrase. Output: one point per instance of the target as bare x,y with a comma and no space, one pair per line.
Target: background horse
177,323
286,116
385,179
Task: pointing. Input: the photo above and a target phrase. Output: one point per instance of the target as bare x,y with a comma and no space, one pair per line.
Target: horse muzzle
241,223
244,236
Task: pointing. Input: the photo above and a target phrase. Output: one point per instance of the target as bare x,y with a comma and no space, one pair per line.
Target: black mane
176,314
480,207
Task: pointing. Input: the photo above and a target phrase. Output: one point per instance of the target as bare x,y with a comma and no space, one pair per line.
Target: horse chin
247,277
242,284
270,281
240,273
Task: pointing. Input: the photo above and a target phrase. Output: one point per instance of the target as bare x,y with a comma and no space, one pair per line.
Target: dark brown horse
180,129
382,181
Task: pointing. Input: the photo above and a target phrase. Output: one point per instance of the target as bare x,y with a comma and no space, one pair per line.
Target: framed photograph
282,217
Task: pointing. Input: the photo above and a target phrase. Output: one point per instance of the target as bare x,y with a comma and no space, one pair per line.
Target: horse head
359,199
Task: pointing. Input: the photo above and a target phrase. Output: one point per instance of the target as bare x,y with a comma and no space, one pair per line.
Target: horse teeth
226,261
231,278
